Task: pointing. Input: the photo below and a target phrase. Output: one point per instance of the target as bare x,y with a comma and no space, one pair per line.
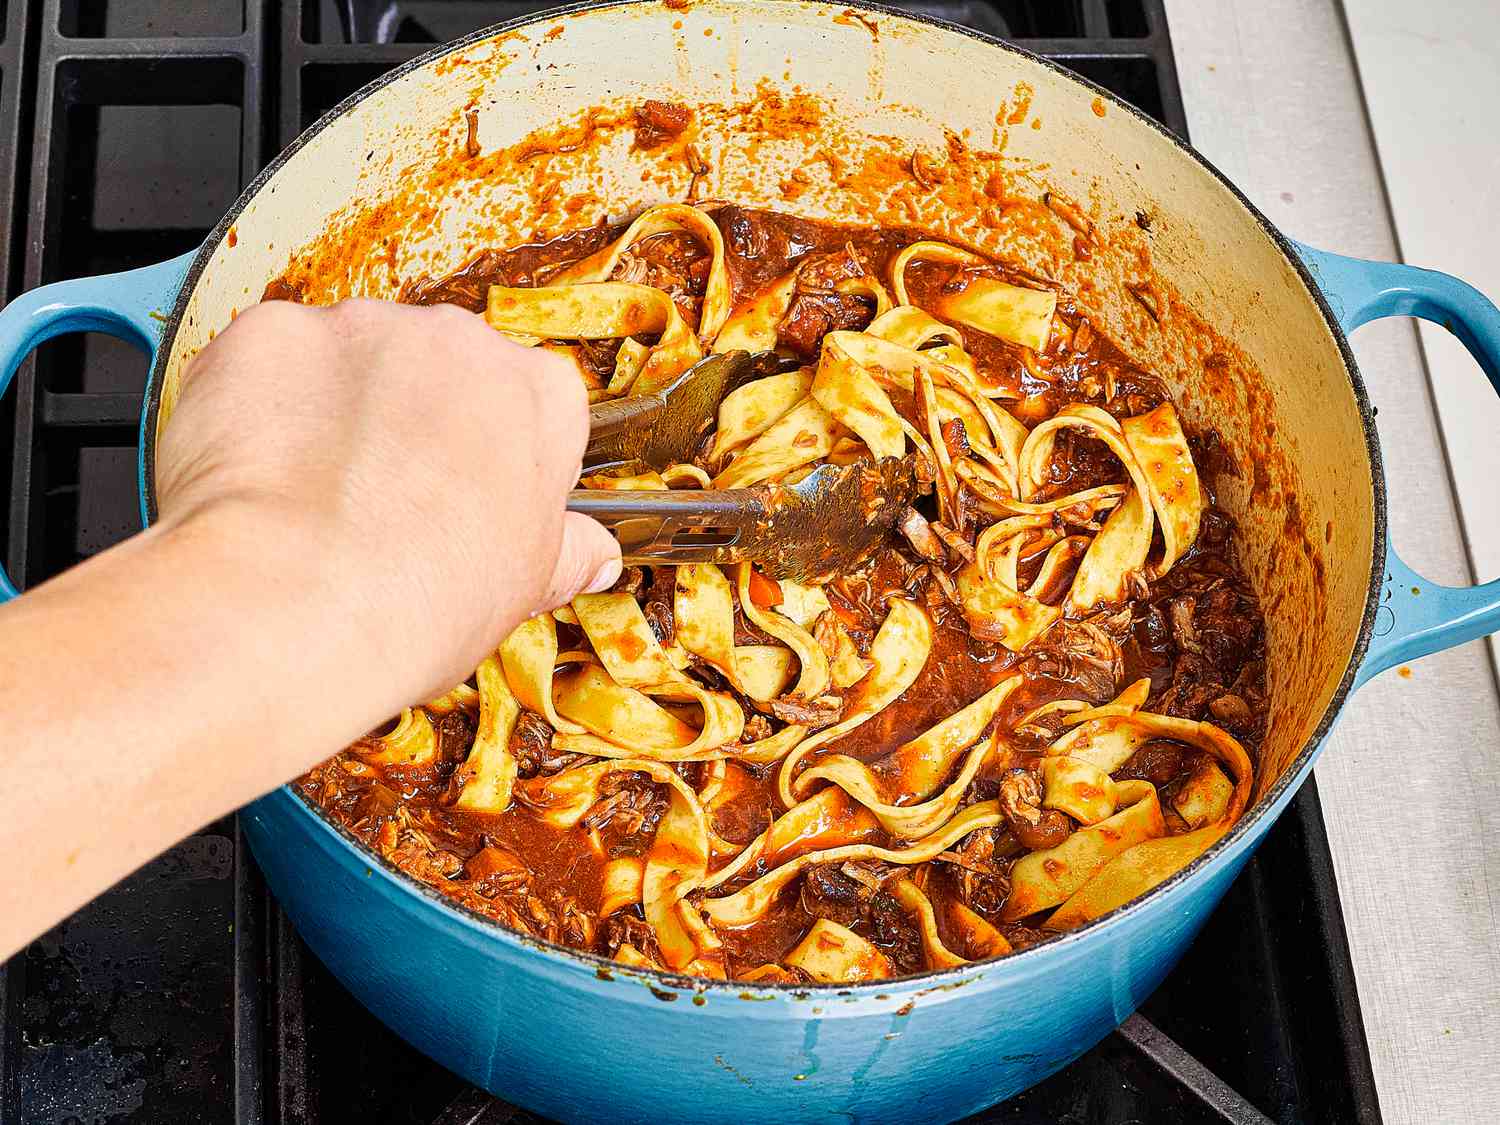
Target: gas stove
183,995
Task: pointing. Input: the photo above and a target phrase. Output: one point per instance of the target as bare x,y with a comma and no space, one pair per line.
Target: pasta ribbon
825,820
529,656
749,411
704,612
835,954
802,435
623,722
411,742
1120,548
1159,446
938,955
750,904
898,654
485,779
814,677
675,862
603,310
844,389
752,327
1008,312
1045,878
916,768
1139,868
662,219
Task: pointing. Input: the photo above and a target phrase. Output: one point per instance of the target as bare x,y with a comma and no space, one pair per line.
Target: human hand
408,465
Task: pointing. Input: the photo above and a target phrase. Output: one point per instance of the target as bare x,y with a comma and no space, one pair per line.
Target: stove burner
126,128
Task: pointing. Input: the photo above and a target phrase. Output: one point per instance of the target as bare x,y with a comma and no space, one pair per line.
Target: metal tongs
825,523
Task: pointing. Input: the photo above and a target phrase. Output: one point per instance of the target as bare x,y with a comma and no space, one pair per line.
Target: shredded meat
658,603
983,885
628,927
811,713
531,743
629,812
923,539
1086,654
672,262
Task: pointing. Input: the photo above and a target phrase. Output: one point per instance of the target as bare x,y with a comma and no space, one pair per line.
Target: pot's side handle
132,305
1416,616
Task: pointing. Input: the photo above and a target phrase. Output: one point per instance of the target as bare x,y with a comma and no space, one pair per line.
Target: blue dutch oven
577,1037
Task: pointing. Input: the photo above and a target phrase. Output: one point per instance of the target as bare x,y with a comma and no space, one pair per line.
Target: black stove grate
126,128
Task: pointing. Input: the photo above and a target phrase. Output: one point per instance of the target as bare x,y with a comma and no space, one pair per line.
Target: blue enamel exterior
133,305
1416,617
561,1032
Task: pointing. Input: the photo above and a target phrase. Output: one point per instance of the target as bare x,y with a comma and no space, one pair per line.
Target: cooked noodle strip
898,654
938,955
661,220
1160,448
749,411
1045,878
484,780
675,862
411,742
750,904
1138,869
529,656
915,769
799,437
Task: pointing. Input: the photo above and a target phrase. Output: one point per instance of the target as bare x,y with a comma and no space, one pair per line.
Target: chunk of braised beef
982,881
632,581
1158,761
415,855
1022,937
599,356
757,726
813,314
628,927
455,736
672,262
827,892
1087,655
531,743
1020,802
658,602
629,809
657,122
376,801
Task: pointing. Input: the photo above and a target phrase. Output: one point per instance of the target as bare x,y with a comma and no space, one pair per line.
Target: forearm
159,686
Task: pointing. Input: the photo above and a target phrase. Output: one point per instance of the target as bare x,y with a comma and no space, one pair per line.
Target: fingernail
605,577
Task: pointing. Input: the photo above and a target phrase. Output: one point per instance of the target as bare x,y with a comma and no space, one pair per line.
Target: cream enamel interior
1274,383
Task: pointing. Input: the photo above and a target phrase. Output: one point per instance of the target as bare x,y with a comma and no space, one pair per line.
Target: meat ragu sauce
1193,634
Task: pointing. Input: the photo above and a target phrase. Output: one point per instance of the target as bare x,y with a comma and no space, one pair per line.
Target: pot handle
1416,617
132,305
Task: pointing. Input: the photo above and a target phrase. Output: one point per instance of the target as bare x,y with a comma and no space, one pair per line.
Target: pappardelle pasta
1039,700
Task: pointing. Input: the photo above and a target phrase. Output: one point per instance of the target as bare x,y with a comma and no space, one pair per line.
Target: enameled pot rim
488,929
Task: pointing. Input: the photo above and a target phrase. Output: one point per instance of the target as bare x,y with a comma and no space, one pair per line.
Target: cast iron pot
574,1036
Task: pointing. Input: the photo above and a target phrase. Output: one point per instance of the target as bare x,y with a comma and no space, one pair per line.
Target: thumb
587,562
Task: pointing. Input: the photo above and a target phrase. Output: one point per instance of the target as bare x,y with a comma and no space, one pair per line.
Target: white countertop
1410,782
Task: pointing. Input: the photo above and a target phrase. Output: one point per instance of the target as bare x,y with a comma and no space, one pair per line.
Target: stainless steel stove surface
182,995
